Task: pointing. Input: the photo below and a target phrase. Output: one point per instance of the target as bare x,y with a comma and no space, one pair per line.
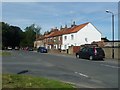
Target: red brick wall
76,49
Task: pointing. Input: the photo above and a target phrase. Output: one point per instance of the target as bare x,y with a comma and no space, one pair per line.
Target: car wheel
102,59
91,58
77,56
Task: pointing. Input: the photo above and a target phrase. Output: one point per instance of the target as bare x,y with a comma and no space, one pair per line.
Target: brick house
75,35
39,41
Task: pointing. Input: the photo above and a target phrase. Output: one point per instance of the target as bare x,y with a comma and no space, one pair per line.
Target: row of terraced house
75,35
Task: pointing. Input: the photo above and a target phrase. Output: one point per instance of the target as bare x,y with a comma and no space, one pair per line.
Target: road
82,73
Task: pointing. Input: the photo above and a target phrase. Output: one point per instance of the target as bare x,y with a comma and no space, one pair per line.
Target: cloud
55,14
21,22
72,12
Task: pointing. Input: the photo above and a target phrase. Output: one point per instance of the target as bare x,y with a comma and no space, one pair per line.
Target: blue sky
54,14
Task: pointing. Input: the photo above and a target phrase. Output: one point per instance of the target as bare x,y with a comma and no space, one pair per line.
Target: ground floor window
65,46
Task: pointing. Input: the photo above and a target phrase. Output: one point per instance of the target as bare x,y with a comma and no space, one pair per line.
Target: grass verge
4,53
26,81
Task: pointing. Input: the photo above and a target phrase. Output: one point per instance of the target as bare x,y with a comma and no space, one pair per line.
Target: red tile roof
66,30
77,28
49,35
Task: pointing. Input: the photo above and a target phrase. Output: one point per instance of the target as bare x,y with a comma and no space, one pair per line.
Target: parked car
30,49
9,48
91,53
42,50
16,48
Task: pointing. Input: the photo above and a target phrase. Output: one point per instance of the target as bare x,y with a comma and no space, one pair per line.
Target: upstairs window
65,37
59,38
86,39
72,37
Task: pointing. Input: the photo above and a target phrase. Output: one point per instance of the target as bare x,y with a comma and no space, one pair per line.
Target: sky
49,15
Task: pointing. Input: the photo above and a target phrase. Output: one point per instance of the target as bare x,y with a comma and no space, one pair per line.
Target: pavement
57,53
108,60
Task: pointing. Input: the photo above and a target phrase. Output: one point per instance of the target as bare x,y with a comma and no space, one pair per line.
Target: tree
5,34
11,35
36,29
14,36
30,34
0,35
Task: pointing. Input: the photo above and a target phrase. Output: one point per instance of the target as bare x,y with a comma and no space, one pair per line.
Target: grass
25,81
4,53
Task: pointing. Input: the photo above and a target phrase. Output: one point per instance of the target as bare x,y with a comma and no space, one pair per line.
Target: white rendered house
79,35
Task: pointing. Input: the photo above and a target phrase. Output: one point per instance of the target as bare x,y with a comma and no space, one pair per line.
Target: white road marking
81,74
109,66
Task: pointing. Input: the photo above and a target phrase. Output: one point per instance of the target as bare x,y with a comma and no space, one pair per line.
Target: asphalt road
82,73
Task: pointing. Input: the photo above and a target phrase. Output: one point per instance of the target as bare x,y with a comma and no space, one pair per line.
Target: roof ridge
67,30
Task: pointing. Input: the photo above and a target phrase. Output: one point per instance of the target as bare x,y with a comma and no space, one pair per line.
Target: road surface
83,73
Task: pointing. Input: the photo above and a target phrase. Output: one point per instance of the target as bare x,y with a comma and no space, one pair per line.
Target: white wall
86,35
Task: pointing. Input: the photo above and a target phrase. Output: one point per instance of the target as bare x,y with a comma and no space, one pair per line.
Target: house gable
83,34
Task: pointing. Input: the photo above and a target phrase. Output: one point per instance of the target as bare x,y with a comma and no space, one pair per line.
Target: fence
108,52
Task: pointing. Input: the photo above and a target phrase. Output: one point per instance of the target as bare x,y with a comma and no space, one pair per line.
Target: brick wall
73,49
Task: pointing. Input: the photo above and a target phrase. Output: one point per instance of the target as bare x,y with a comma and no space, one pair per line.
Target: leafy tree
37,29
17,35
11,35
0,35
5,34
30,34
14,36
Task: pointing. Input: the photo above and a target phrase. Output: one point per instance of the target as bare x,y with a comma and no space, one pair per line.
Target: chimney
52,30
45,33
73,24
61,27
66,26
55,29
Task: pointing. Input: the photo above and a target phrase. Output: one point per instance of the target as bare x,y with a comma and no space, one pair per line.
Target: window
86,39
84,50
72,37
54,40
59,38
65,37
48,39
65,46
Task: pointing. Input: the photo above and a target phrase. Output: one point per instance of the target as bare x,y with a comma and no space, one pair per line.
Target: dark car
91,53
30,48
42,50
